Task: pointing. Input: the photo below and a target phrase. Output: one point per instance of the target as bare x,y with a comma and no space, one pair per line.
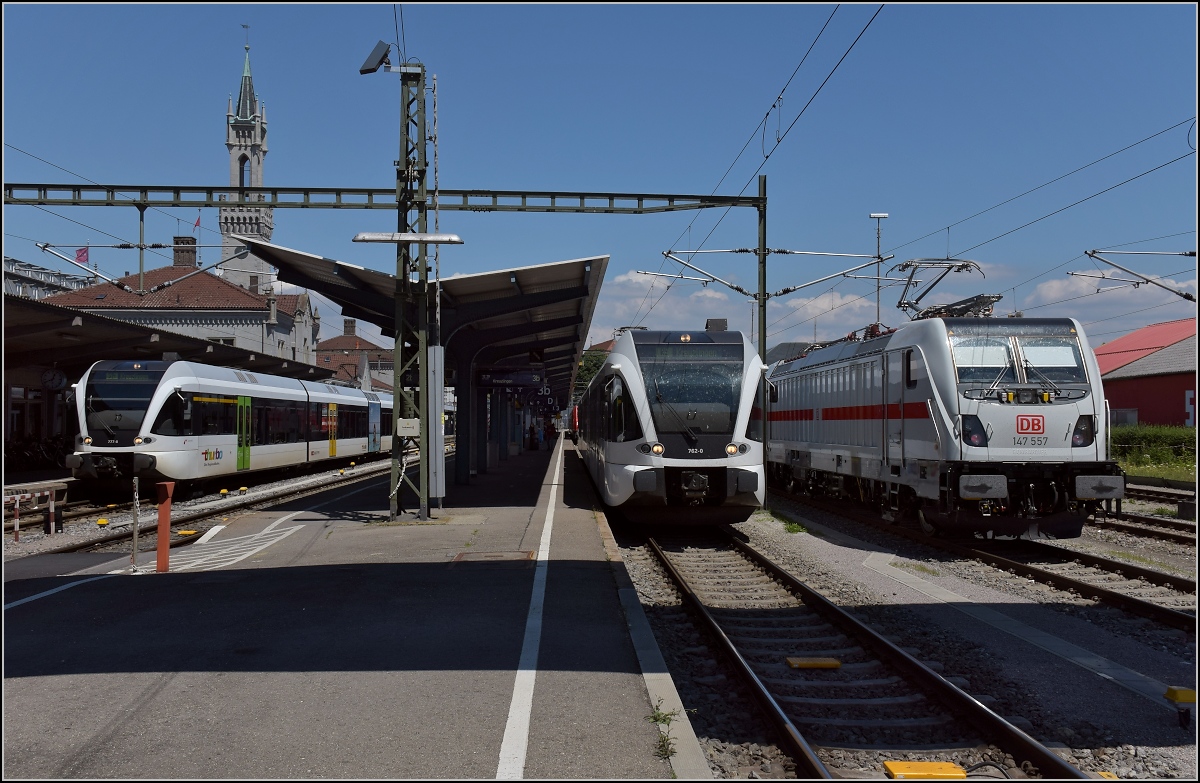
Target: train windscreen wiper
99,420
687,431
1029,366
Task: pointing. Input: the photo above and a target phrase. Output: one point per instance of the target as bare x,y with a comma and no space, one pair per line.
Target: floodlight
428,239
878,215
377,59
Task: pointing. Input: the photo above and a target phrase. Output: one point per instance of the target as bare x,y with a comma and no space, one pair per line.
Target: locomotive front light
137,441
644,448
1084,434
743,448
731,449
973,432
87,441
657,448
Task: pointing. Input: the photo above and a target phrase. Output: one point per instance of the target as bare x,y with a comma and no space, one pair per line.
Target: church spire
247,105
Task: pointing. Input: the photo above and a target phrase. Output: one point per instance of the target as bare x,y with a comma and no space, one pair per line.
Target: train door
333,429
243,433
893,410
372,426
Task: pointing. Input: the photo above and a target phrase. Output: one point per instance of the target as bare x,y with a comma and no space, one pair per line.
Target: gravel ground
1101,728
1108,728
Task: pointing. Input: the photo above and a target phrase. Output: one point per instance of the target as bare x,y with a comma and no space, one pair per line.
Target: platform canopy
526,318
38,334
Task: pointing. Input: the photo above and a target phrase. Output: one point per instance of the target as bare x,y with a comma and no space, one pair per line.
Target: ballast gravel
1095,725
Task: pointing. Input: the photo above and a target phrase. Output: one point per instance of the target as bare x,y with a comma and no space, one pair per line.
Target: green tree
588,367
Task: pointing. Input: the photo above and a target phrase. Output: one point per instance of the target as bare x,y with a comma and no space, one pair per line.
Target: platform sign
509,378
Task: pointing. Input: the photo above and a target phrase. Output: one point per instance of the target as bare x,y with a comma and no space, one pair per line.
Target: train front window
693,389
983,359
116,400
1052,358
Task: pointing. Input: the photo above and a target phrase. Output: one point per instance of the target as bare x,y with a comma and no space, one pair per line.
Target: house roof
1145,341
1177,358
201,291
350,342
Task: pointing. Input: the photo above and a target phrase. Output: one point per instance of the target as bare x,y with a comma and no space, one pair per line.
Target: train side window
173,419
910,382
624,424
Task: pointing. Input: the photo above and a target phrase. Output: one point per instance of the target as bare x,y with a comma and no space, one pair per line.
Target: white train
669,430
188,422
973,425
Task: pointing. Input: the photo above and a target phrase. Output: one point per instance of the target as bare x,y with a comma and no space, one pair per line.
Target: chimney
348,327
185,256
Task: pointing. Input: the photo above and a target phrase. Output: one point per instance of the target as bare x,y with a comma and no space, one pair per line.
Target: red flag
197,224
81,256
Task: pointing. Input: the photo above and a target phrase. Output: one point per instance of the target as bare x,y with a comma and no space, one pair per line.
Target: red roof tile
1143,342
199,292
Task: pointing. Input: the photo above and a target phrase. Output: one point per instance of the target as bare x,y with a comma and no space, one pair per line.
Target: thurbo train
191,423
996,426
667,426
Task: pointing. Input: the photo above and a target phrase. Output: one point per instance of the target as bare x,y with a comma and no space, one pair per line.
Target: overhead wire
782,137
1044,184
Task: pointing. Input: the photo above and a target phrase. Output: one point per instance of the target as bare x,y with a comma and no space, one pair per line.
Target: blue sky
930,113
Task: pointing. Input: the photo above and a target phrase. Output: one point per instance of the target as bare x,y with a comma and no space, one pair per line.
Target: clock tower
246,140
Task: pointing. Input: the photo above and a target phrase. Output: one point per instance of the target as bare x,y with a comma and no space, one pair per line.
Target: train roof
698,336
849,348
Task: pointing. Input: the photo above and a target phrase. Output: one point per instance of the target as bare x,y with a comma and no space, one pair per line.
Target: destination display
509,378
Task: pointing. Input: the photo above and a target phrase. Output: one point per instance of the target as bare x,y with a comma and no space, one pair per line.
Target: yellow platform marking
1180,695
814,663
926,770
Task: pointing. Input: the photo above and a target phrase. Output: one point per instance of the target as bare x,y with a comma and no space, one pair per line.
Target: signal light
1084,434
658,448
973,431
731,449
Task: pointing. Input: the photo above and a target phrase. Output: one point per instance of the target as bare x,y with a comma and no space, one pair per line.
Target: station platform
499,639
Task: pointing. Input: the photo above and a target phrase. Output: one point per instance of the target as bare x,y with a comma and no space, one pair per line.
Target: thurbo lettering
211,455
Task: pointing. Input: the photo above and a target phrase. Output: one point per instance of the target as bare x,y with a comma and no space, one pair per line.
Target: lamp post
877,216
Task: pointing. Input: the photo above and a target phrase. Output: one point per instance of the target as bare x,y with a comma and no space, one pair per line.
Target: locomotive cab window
623,424
983,359
1052,358
910,380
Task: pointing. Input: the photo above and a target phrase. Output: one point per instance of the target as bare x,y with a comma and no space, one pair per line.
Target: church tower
246,139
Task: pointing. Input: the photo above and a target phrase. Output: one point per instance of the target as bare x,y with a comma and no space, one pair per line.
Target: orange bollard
165,490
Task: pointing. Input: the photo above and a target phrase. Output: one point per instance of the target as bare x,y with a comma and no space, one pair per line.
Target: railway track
1158,494
71,510
1164,598
207,513
841,695
1180,531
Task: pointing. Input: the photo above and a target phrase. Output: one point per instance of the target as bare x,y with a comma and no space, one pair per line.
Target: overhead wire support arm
670,254
46,248
1190,253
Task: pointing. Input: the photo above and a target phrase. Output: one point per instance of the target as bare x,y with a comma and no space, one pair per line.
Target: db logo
1031,425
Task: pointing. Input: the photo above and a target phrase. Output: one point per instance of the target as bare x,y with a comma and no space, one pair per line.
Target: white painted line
212,531
55,590
516,731
1140,684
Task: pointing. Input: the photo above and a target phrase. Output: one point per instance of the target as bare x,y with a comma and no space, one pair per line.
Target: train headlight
731,449
644,448
137,441
973,431
657,448
1085,432
87,441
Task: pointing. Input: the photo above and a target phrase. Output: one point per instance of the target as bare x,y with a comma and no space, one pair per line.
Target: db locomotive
190,423
668,427
992,426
